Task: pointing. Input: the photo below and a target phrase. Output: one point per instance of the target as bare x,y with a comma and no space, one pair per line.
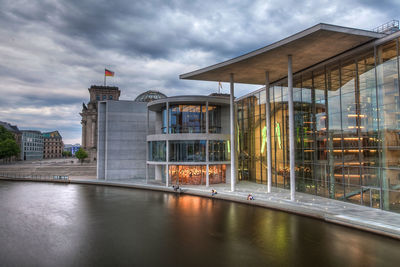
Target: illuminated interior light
278,134
264,138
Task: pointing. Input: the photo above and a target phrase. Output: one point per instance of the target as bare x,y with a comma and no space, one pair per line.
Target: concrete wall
122,140
101,141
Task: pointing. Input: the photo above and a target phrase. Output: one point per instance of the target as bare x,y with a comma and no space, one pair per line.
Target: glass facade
191,119
196,174
188,174
252,137
219,150
187,151
157,151
347,130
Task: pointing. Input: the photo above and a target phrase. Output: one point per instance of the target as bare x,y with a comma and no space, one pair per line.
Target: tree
8,146
8,149
81,154
67,153
5,134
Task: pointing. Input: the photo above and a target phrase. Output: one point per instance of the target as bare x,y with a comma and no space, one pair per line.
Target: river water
44,224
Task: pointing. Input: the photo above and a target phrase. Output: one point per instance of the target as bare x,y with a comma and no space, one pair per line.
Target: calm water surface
76,225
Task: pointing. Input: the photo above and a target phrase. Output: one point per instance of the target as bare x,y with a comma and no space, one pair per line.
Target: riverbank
329,210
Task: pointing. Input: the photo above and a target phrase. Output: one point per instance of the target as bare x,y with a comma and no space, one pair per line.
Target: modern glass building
189,143
327,121
32,145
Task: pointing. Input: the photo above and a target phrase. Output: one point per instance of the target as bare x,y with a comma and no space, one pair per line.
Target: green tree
8,148
67,153
5,134
81,154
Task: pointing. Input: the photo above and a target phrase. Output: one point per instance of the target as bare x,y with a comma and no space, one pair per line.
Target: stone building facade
89,116
53,145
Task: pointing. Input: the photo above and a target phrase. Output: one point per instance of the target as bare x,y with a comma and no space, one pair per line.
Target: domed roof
149,96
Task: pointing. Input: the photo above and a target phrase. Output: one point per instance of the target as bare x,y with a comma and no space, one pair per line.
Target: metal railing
33,176
388,27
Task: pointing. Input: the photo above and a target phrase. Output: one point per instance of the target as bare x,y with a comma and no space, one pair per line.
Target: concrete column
207,150
93,134
88,133
232,122
167,165
268,122
207,166
83,134
147,147
291,129
167,150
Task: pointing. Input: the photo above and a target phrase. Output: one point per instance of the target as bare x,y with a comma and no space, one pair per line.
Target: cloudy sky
51,51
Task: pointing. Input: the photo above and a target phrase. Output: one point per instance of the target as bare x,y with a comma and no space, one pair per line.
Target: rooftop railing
388,27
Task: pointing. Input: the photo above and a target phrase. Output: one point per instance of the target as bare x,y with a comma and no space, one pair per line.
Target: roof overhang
309,47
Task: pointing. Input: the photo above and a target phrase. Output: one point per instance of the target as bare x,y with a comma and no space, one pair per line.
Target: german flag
108,72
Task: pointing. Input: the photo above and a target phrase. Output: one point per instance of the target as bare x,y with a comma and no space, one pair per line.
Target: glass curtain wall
347,130
157,150
218,151
187,151
191,119
252,137
188,174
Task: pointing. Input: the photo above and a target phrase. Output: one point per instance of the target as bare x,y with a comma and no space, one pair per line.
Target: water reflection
64,225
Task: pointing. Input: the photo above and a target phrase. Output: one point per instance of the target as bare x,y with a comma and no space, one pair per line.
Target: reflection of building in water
346,114
190,140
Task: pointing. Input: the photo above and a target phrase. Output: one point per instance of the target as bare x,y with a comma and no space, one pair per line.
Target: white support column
207,166
291,130
268,122
232,122
207,151
167,150
147,147
167,166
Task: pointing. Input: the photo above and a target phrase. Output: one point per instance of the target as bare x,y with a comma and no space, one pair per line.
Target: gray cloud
53,50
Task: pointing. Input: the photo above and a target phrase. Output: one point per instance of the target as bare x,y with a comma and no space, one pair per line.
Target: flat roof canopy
307,48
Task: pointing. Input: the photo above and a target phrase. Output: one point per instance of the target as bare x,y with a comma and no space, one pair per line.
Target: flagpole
105,77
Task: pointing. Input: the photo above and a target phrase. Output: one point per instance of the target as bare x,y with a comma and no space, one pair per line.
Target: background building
72,148
122,137
89,116
53,145
32,145
17,136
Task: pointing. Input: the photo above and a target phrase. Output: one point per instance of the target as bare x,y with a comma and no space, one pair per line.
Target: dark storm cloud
51,50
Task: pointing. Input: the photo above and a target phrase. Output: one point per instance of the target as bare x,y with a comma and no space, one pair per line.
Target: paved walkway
334,211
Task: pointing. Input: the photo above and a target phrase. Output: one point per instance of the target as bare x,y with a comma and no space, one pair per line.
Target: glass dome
149,96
